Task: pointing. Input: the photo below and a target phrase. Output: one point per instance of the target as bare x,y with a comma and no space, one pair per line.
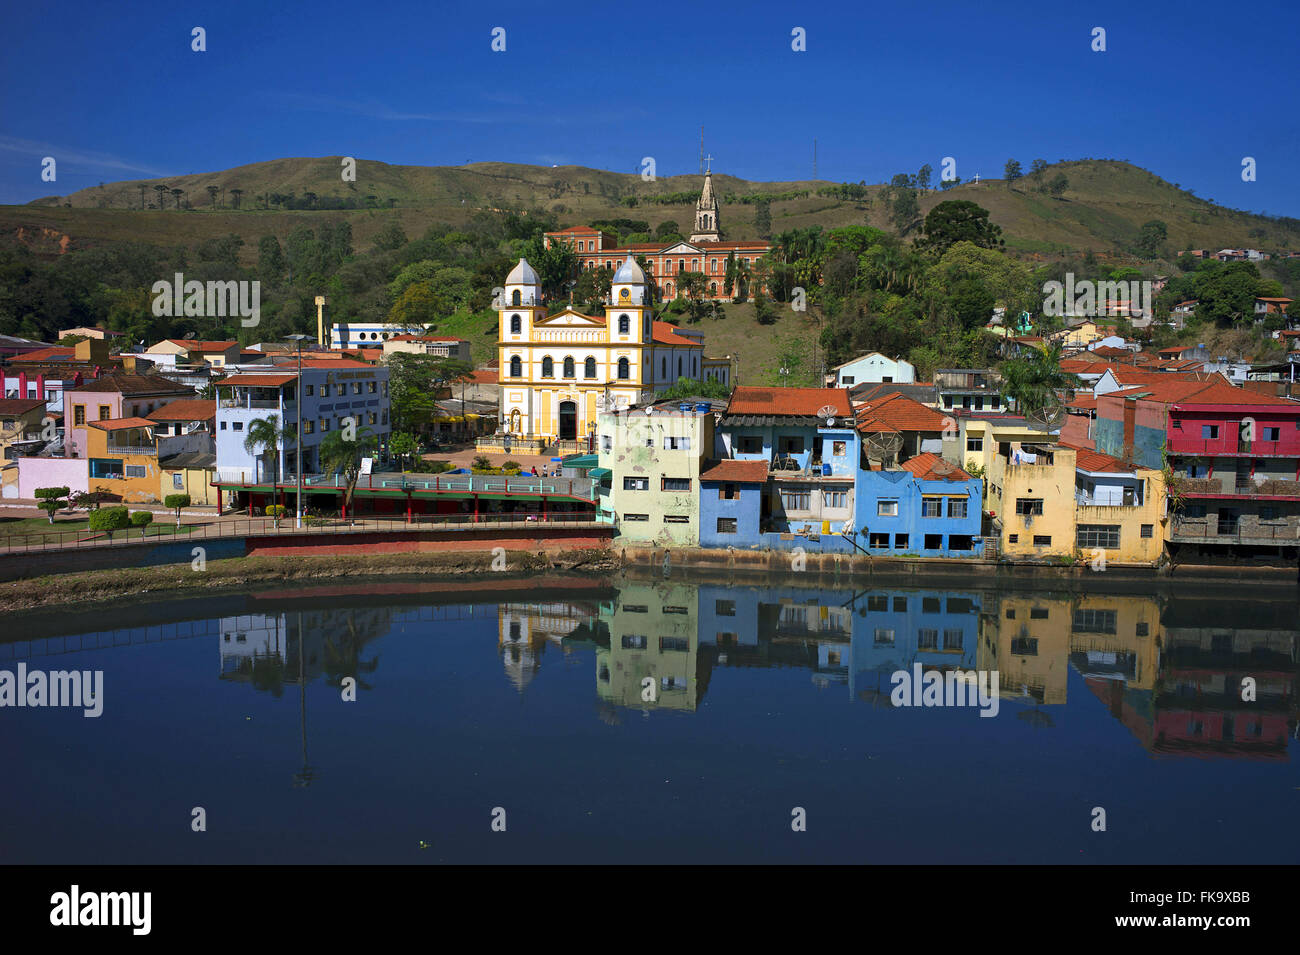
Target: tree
1226,295
270,259
413,383
90,500
212,195
175,502
267,434
341,455
391,237
1151,238
52,499
923,178
1058,185
1034,378
142,520
1011,171
667,231
176,197
1037,166
692,388
403,446
162,191
763,219
959,220
234,195
109,519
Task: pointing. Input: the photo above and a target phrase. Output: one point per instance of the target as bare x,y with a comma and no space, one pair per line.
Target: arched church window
623,324
516,325
622,368
713,266
589,368
516,297
548,367
516,367
568,366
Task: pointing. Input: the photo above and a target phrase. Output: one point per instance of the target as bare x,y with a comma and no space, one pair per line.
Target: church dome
629,273
522,274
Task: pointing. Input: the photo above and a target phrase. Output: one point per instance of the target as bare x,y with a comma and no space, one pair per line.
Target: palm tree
212,195
267,434
1034,378
340,455
162,191
234,196
176,197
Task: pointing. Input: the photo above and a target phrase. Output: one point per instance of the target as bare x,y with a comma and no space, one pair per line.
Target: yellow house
1030,493
123,459
1029,646
191,473
20,420
653,652
1120,511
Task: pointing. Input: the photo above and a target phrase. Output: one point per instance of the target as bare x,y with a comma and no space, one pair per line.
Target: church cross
709,160
977,179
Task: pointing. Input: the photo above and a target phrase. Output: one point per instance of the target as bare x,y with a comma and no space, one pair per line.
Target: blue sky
1185,89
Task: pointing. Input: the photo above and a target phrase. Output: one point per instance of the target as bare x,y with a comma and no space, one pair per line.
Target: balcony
1215,530
126,449
238,402
1230,447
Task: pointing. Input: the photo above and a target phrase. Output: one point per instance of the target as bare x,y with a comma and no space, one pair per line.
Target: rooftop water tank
703,408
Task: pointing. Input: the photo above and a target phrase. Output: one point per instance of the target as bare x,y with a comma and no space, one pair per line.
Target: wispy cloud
484,113
75,157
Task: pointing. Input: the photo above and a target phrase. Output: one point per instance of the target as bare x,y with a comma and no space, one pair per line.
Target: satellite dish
884,446
827,411
649,409
830,422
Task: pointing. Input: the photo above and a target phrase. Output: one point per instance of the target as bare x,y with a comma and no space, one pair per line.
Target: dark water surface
765,698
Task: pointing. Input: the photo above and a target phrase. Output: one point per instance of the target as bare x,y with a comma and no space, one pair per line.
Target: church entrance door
568,420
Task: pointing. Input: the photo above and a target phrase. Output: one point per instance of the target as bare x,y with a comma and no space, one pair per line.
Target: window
516,367
675,484
1038,613
624,325
623,369
223,426
238,425
1098,535
839,448
79,414
751,444
877,603
633,642
324,424
932,507
674,644
887,509
516,297
1146,531
953,639
726,525
728,492
636,484
1143,629
104,412
1011,613
1013,538
793,499
835,498
1025,646
135,470
790,445
636,517
956,507
901,541
1029,505
884,638
178,482
676,519
356,387
934,542
635,608
927,639
589,368
568,367
1042,540
1272,434
309,390
1094,621
1194,510
308,426
548,367
324,391
724,608
1209,431
682,443
1267,512
606,444
931,605
676,610
847,379
974,444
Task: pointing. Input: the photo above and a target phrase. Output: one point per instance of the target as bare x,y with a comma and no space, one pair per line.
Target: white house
332,391
874,368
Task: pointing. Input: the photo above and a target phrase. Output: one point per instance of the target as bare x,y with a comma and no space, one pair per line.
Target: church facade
702,252
559,372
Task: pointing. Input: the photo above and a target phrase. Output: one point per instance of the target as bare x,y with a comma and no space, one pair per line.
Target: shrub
175,502
480,463
109,519
511,466
52,499
277,511
142,520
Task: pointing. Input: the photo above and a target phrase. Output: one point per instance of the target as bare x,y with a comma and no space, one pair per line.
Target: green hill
1102,209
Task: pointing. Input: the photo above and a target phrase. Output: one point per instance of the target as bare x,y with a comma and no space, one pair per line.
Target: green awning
597,473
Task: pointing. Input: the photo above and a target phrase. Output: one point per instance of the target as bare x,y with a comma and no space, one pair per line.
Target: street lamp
297,461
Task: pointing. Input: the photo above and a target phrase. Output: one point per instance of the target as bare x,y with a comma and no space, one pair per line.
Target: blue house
928,508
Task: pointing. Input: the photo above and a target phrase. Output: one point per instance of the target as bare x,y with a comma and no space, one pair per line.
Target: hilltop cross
977,179
709,160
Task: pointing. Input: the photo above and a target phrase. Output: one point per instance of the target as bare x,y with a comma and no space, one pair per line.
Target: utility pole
701,150
814,160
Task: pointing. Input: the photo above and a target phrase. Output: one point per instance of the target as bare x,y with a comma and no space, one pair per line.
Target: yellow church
559,372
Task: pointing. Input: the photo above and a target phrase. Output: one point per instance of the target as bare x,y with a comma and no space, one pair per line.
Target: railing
1233,533
130,449
1228,447
442,483
1084,500
267,526
250,403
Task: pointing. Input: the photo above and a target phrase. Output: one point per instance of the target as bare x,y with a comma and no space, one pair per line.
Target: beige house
101,334
20,420
216,354
438,345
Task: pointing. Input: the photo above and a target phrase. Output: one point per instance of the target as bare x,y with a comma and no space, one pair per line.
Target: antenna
701,150
814,159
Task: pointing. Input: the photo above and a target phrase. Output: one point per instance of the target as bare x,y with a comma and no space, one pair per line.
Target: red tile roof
1094,462
484,376
45,354
258,380
20,406
186,409
1083,401
121,424
1221,393
930,467
895,412
738,472
665,333
788,401
198,346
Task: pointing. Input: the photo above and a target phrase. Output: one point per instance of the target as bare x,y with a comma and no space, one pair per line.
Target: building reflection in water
525,630
1171,671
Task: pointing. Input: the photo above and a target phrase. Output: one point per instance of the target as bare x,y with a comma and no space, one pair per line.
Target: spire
706,213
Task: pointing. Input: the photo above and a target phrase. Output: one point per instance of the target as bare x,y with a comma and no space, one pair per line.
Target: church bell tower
706,213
